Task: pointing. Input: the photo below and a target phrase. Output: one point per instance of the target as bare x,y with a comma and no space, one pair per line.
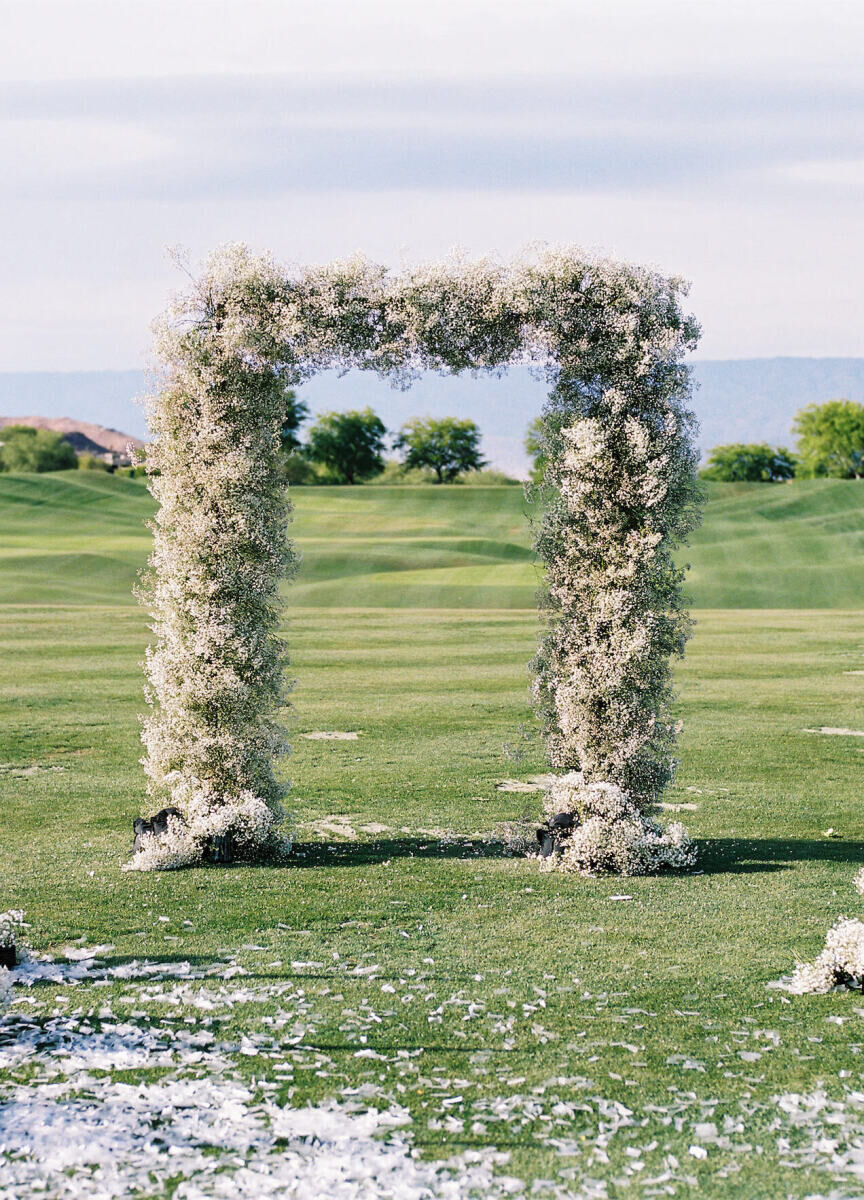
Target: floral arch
621,495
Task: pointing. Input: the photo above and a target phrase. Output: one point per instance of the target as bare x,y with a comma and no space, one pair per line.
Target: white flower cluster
221,550
12,926
841,963
619,442
246,819
612,835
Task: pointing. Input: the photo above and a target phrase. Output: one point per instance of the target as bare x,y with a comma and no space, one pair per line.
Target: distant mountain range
747,399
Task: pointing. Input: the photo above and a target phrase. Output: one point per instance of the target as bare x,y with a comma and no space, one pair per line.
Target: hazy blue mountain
752,399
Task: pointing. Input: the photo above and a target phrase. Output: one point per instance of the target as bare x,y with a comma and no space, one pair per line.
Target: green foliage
536,447
755,462
296,412
445,445
831,439
298,470
23,448
89,462
349,444
489,477
395,475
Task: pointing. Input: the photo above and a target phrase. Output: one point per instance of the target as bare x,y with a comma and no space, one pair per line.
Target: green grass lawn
500,1006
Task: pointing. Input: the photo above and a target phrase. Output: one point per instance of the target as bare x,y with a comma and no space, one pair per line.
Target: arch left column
215,685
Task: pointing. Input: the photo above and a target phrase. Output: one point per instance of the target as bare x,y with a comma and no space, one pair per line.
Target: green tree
448,446
349,444
755,462
831,439
296,412
23,448
536,448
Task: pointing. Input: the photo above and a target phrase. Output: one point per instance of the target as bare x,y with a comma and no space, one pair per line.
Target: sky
715,139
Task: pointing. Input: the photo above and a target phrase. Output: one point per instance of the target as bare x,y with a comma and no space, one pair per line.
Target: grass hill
80,537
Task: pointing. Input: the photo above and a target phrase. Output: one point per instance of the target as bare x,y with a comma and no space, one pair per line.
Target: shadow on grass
358,854
745,856
717,856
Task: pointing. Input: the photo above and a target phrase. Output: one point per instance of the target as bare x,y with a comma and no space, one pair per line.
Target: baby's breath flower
611,834
841,963
12,926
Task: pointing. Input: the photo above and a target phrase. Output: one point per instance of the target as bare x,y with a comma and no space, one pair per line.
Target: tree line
349,447
338,447
830,443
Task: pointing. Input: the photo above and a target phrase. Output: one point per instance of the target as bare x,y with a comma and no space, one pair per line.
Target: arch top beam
558,308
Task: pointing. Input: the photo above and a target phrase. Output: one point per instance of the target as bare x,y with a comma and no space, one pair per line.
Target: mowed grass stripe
81,537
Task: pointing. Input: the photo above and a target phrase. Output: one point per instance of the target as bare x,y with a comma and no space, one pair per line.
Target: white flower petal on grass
834,731
216,1140
333,735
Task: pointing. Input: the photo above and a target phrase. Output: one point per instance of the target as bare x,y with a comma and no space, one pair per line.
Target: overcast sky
716,139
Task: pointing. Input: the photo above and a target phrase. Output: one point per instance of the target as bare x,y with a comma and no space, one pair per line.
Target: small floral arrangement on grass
246,819
599,829
12,926
13,950
840,964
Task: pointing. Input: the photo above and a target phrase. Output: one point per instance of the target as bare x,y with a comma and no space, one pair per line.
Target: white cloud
723,141
55,39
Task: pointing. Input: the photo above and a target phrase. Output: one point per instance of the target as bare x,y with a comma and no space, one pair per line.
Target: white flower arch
620,483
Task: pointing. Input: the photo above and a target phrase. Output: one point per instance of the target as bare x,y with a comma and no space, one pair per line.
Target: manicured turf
410,624
78,538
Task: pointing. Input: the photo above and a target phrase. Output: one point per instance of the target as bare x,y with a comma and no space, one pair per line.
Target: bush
756,462
89,462
395,474
488,478
298,470
23,448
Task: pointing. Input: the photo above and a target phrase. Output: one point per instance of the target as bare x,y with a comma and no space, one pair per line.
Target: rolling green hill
80,537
